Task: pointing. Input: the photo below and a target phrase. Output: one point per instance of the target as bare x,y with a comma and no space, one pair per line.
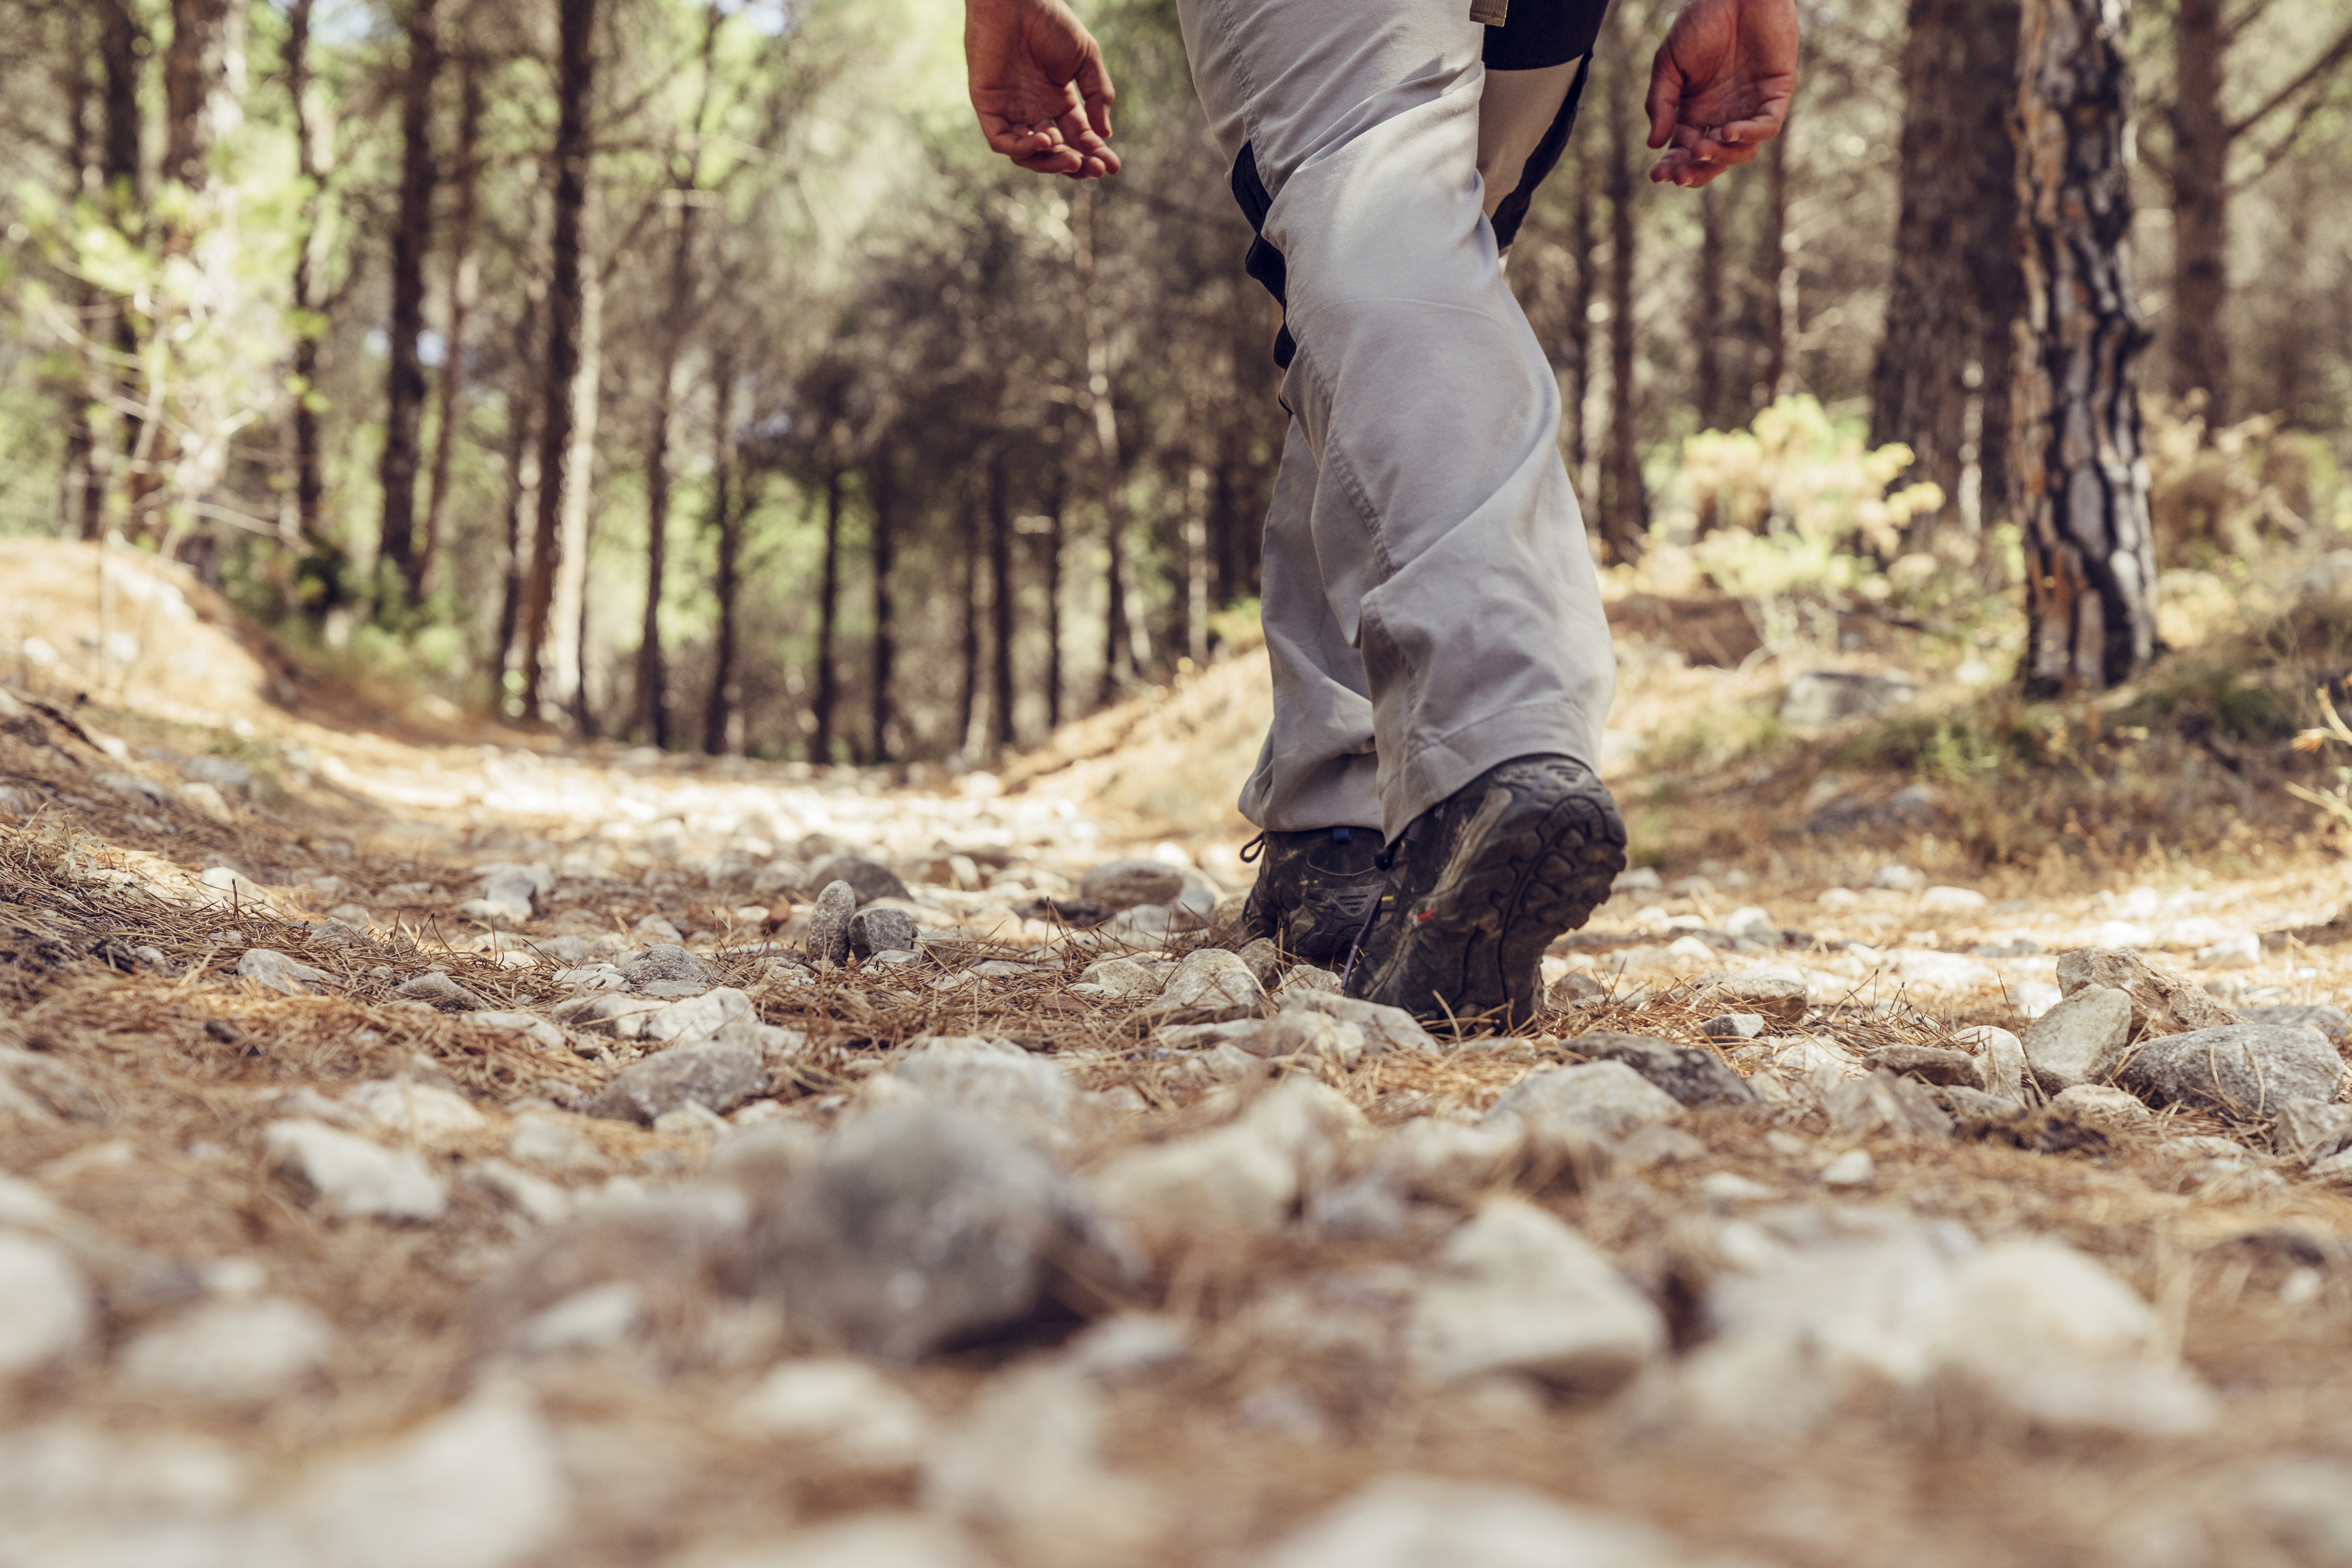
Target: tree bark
1707,313
1626,502
1578,391
80,405
2079,475
2200,208
124,203
1121,632
881,483
1052,547
575,81
1001,608
1776,278
828,676
1196,565
464,281
968,647
412,240
203,33
311,160
1957,284
718,721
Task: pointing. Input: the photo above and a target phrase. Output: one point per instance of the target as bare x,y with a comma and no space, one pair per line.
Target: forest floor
326,1236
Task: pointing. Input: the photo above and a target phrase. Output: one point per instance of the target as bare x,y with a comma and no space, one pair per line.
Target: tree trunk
1956,287
882,489
719,723
203,37
1196,565
1119,629
1578,391
1053,549
652,672
1776,278
1626,502
2080,478
1001,606
828,679
968,689
575,84
114,345
311,145
412,239
465,280
2200,208
1707,313
81,408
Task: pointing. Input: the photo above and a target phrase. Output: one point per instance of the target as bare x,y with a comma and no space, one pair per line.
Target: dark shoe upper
1481,883
1314,891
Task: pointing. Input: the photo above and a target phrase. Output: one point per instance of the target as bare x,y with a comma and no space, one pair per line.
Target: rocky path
480,1158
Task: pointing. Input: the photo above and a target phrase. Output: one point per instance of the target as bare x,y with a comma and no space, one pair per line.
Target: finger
1724,156
1078,132
1666,96
1093,87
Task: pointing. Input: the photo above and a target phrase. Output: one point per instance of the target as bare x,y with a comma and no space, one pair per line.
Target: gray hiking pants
1429,599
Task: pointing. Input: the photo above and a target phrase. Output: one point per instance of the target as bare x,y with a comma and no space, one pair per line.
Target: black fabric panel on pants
1513,211
1542,33
1263,262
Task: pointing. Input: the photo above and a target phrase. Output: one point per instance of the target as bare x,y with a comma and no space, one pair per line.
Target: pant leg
1450,552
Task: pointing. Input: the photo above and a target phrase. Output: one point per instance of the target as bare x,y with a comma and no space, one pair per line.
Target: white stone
1690,949
1948,900
2000,1059
25,1205
1244,1177
46,1307
1414,1521
418,1111
845,1407
2033,998
1026,1458
518,1192
865,1540
1924,968
2081,1040
1749,923
1730,1187
2101,1103
542,1032
1025,1094
1895,877
353,1176
1518,1291
1385,1029
595,1319
698,1018
267,966
1212,978
1122,978
1855,1168
1435,1157
2242,950
2122,934
557,1145
232,1352
1602,1098
479,1487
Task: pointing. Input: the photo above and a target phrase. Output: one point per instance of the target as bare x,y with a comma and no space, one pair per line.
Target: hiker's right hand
1720,86
1039,88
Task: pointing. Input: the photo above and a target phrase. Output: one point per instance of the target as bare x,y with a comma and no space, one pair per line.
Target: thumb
1665,98
1093,87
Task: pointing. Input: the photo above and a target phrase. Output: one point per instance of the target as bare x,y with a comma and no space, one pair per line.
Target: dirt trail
416,1154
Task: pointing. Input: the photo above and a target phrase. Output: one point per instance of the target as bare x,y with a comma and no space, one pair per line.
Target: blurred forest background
688,373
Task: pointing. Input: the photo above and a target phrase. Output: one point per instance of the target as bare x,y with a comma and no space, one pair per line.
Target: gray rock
2312,1129
882,931
2100,1103
827,940
515,891
1960,1099
1026,1095
1601,1098
267,966
1821,696
1884,1103
868,880
1779,997
558,1144
353,1176
2080,1040
220,773
920,1228
1724,1027
666,964
1692,1076
1123,884
46,1306
438,990
693,1020
2245,1071
1419,1521
1385,1029
2163,1001
1264,957
1518,1291
1928,1064
1211,985
2331,1021
717,1074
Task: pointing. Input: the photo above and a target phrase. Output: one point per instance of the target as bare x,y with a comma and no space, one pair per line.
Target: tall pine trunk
2078,470
718,708
1776,278
465,282
882,491
575,81
1578,393
1956,286
412,240
1001,607
828,613
114,340
1626,502
1707,313
967,643
311,145
2200,208
1052,547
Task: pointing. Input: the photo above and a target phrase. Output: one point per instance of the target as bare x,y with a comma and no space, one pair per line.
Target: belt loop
1489,13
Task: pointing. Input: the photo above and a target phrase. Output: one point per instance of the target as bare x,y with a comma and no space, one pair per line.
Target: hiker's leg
1449,549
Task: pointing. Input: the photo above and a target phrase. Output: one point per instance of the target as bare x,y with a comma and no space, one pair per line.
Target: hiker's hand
1720,87
1039,87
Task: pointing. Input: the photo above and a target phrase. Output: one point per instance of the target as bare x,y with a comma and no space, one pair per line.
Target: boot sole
1472,946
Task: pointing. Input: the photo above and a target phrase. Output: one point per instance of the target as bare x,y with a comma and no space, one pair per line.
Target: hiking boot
1481,883
1314,890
